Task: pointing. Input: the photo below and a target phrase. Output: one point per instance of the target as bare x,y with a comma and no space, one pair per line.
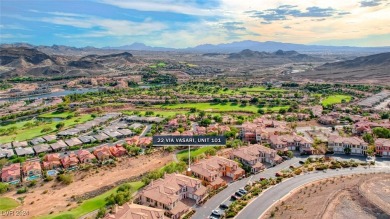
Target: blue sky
186,23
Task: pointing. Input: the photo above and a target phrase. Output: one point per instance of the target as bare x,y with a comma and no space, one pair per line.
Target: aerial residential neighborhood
189,109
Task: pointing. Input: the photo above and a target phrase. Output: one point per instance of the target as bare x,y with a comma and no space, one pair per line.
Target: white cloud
178,6
106,27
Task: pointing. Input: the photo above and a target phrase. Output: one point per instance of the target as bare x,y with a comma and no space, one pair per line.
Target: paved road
260,205
224,196
146,130
193,126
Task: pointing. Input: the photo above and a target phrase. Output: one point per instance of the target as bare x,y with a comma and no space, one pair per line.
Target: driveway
262,203
224,196
146,130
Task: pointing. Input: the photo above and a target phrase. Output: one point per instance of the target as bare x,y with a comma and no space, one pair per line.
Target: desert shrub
297,171
4,187
65,178
22,190
32,183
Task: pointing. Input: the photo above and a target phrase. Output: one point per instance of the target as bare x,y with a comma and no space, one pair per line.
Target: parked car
223,206
235,197
216,212
239,194
278,174
243,191
262,178
301,162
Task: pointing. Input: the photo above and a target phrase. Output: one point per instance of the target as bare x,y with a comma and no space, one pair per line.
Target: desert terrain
355,196
54,197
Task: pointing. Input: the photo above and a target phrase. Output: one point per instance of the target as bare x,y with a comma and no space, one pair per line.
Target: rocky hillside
365,69
27,61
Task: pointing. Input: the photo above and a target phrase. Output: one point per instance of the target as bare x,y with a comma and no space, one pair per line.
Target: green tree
3,187
211,152
371,150
47,129
381,132
60,125
260,111
101,213
205,122
367,137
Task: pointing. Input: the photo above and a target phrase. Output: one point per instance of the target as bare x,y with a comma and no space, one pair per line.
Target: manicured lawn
24,133
91,204
195,151
211,107
191,65
219,107
7,204
217,90
158,112
56,115
261,89
161,64
335,99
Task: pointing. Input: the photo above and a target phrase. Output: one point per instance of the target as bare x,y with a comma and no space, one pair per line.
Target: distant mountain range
268,46
292,56
233,47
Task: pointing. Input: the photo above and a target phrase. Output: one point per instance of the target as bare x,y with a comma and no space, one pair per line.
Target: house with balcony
118,150
85,156
382,147
216,171
291,142
134,211
31,170
102,153
11,174
70,161
255,156
174,193
261,129
347,145
51,161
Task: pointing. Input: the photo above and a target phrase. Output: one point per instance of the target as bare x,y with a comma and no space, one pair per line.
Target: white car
216,212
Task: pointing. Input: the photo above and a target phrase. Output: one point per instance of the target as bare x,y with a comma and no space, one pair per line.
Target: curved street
204,210
261,204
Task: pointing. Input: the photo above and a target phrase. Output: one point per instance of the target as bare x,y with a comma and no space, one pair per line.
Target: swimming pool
30,178
52,172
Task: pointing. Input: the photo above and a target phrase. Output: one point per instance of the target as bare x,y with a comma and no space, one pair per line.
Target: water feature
52,94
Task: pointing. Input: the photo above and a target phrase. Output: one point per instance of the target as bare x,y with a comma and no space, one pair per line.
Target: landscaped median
256,188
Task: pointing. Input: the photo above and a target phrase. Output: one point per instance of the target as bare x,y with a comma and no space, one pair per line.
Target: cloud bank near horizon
187,23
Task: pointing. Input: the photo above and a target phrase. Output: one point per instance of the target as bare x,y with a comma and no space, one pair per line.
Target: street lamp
189,158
